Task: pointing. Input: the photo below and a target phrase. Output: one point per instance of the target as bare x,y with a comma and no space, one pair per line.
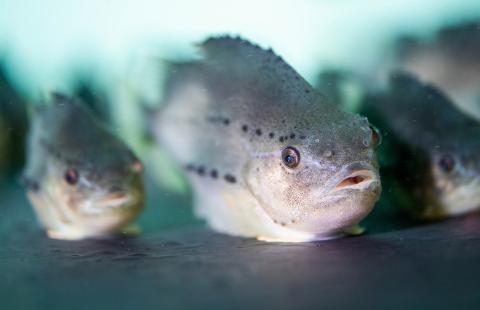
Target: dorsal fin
409,86
238,50
241,59
234,47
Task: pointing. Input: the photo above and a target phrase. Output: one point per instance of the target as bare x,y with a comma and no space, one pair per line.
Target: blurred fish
267,156
81,180
451,61
89,92
13,125
430,148
342,87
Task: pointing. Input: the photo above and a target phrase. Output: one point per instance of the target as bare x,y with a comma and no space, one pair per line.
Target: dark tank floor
394,266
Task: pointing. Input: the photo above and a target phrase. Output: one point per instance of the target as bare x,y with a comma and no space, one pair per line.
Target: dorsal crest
236,50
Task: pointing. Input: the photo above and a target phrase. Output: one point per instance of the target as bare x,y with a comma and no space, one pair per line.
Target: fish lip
117,203
117,199
355,176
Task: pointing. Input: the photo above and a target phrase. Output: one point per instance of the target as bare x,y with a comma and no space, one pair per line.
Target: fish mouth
356,176
121,201
115,199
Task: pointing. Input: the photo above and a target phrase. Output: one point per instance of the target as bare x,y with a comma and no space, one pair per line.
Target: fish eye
376,137
446,163
290,157
71,176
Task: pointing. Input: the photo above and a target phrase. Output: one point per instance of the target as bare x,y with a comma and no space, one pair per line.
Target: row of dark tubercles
271,135
258,131
213,173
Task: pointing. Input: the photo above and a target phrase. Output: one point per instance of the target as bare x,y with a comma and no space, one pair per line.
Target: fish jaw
460,200
318,210
61,222
238,213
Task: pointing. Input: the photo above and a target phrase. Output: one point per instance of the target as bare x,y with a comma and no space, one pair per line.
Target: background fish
449,60
13,125
268,157
430,149
81,180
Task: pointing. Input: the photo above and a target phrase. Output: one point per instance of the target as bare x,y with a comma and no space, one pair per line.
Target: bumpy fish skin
432,148
228,117
82,181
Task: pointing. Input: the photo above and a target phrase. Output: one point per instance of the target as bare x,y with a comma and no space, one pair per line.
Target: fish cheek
68,196
275,188
443,181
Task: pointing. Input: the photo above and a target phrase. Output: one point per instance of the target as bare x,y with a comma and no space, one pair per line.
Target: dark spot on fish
30,184
115,189
214,173
271,135
283,121
73,162
292,136
230,178
245,128
226,121
293,221
283,223
275,221
189,167
281,139
307,91
258,132
297,77
201,170
303,137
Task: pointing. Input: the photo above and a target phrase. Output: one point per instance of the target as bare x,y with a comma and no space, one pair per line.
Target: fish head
456,179
322,182
99,195
84,176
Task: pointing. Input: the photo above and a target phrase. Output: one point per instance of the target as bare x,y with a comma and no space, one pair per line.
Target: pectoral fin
355,230
131,230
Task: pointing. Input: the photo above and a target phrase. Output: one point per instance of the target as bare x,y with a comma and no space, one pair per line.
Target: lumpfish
267,156
432,149
450,61
13,125
82,181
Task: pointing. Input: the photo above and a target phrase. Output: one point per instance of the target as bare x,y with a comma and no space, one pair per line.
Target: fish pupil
71,176
447,163
291,157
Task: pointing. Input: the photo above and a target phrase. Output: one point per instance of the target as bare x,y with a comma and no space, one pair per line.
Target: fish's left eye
290,157
447,163
71,176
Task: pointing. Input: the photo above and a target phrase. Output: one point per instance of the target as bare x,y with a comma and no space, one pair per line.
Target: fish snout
118,197
137,166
